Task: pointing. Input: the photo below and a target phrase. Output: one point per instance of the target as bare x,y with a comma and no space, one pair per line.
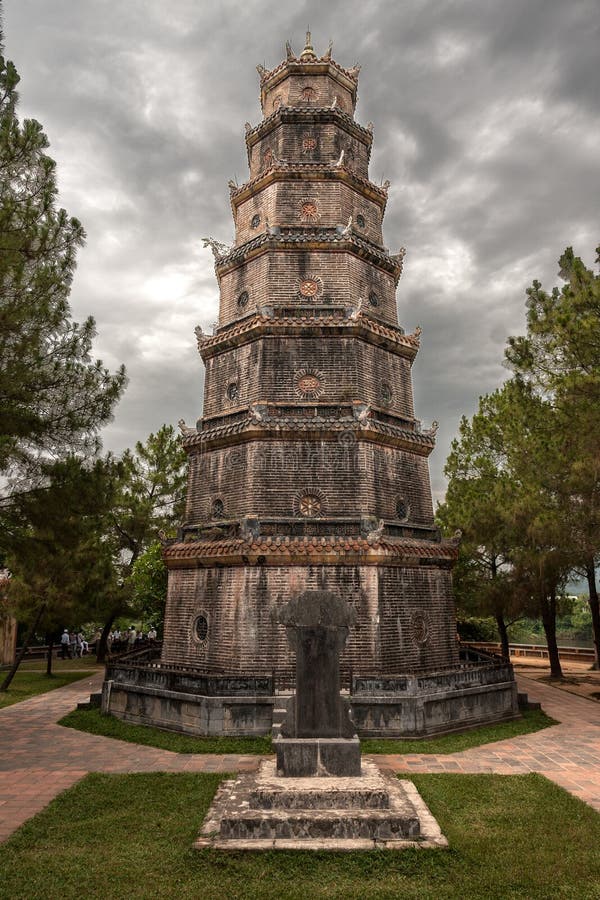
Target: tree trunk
50,643
26,642
103,642
503,632
548,609
590,572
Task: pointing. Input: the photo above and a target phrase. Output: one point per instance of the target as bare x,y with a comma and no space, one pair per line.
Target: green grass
27,684
62,665
531,720
130,835
92,720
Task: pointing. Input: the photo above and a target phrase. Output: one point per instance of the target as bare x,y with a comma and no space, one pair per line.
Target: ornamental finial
308,52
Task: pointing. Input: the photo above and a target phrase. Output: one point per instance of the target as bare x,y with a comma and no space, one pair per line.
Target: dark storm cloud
486,123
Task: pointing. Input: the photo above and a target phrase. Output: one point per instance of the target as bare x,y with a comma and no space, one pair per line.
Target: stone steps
373,824
526,703
279,714
262,810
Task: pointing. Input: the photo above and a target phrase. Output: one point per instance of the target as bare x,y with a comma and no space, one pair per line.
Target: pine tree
53,396
559,359
61,564
149,501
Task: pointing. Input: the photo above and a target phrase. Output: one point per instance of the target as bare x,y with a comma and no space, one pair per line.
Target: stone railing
188,681
412,684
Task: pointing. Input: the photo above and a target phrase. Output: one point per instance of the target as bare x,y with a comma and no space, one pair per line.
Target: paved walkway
568,754
39,759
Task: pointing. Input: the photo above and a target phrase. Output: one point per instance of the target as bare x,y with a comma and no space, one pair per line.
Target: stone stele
318,737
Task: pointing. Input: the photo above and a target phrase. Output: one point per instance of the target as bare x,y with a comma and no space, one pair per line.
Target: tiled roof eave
326,242
285,114
279,172
330,550
311,428
364,327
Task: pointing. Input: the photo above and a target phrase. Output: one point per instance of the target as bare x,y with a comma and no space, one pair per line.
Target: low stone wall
400,706
189,702
418,706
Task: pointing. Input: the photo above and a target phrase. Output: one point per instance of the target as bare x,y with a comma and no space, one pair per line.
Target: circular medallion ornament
308,383
419,628
308,94
309,143
200,628
385,392
309,211
242,300
402,509
310,287
309,504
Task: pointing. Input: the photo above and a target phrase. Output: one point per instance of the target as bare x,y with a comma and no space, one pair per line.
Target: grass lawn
531,720
112,836
29,683
93,721
62,665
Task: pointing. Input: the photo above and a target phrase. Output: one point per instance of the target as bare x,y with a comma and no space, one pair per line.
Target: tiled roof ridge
298,61
308,166
336,112
343,425
388,331
308,545
328,236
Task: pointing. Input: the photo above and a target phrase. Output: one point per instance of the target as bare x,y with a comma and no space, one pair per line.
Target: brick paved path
568,754
39,759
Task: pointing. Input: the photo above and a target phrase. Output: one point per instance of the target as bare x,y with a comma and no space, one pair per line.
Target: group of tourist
129,639
73,645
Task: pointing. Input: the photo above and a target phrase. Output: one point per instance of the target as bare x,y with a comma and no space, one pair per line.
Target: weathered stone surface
325,815
269,791
317,628
325,757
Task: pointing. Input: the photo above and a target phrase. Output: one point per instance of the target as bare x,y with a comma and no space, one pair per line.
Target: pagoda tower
308,468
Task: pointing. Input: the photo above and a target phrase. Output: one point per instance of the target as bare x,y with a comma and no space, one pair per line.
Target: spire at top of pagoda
308,52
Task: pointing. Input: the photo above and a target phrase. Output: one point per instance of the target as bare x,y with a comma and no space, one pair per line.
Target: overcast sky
486,123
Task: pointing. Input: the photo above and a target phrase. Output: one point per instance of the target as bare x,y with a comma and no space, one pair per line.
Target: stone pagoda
308,469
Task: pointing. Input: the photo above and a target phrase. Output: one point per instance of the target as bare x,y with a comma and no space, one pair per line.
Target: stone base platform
262,811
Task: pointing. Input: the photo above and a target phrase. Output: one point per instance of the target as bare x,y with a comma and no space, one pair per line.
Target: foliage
148,505
148,581
56,546
524,474
138,829
151,496
474,628
53,396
